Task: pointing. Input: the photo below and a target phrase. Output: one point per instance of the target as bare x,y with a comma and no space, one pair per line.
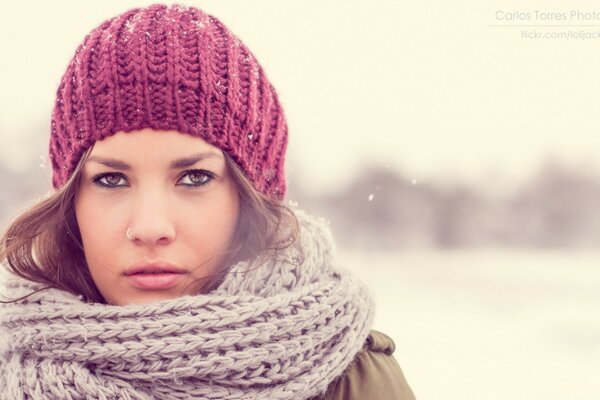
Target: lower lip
155,281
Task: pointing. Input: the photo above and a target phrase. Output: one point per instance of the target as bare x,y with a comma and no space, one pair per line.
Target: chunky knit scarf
280,329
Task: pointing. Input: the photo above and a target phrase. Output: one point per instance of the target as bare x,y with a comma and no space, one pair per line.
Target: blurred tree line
557,207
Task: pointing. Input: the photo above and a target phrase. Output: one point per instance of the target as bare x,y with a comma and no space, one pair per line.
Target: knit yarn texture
170,68
281,329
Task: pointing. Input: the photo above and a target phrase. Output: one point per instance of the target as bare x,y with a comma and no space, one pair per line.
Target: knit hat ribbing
170,68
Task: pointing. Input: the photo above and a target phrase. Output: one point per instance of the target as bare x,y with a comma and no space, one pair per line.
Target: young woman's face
174,192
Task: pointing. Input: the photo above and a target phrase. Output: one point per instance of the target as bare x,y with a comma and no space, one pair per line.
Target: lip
155,281
153,267
154,275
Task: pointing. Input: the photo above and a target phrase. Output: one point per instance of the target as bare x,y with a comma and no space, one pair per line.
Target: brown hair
43,244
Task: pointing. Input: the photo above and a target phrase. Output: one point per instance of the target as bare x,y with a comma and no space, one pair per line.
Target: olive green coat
374,374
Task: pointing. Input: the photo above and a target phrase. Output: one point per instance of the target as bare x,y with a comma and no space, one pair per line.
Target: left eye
198,177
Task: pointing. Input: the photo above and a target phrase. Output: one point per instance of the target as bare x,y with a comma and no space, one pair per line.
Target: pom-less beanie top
170,68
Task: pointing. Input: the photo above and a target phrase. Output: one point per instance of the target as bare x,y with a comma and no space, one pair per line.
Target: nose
151,222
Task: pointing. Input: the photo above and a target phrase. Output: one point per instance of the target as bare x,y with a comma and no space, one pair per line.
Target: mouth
154,275
155,281
153,268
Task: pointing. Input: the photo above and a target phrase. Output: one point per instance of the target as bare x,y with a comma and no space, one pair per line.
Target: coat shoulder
374,374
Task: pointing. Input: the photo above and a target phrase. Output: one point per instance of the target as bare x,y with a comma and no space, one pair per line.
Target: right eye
111,179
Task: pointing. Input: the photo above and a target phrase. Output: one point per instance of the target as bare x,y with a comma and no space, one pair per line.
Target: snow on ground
489,324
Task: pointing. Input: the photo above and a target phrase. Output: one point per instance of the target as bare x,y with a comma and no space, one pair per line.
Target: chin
143,298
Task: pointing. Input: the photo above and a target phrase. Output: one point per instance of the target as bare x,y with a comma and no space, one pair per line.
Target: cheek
211,227
98,229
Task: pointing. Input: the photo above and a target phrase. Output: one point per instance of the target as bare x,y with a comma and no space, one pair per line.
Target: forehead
149,139
154,147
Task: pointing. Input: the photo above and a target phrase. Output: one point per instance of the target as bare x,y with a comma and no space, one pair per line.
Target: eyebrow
176,164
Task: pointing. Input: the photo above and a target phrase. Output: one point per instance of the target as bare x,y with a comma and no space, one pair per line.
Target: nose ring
128,235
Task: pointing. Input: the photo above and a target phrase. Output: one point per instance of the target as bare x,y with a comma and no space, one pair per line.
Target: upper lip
153,267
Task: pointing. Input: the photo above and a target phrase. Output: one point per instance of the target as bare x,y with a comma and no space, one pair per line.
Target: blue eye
197,177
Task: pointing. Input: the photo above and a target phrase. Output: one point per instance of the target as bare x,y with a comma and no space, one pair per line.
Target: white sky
430,89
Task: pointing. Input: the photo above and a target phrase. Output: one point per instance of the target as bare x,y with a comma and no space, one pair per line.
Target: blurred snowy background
456,159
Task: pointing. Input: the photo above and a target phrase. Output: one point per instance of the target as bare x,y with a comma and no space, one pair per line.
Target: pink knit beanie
170,68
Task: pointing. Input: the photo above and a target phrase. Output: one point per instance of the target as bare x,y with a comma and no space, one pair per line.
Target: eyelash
209,176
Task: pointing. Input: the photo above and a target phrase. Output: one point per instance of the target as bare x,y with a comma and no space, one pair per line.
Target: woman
165,264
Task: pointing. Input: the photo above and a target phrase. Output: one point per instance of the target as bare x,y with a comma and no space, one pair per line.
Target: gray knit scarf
276,330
